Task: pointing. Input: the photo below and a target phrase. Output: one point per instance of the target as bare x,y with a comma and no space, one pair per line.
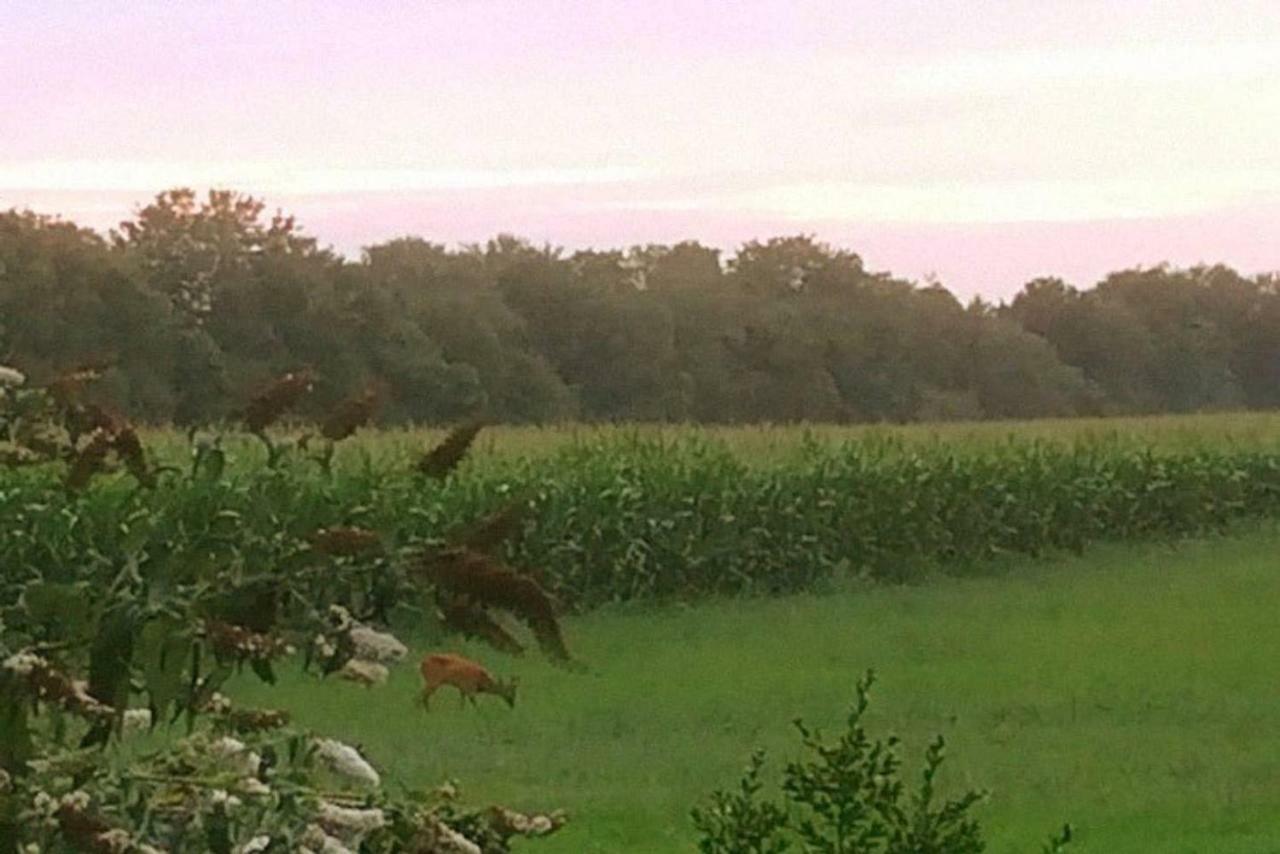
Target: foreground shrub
96,645
845,797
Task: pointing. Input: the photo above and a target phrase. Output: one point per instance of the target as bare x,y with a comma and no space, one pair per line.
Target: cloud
116,176
1000,71
1012,201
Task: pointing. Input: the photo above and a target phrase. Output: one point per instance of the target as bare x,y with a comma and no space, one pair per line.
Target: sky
979,144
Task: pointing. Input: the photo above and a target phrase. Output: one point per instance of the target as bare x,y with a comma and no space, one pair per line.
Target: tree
186,249
1017,375
196,301
794,264
71,301
685,266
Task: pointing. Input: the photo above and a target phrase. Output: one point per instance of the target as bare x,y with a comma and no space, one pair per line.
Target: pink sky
983,142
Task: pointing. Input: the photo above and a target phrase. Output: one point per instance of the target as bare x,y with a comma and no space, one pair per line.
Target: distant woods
198,302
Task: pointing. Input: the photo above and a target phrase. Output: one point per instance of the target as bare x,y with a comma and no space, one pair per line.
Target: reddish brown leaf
345,542
444,458
268,405
349,416
490,584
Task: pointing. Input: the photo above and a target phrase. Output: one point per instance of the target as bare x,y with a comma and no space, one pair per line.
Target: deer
464,674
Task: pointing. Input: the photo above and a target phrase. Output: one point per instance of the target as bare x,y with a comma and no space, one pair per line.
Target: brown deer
464,674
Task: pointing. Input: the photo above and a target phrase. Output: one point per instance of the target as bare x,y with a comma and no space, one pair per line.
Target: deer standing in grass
464,674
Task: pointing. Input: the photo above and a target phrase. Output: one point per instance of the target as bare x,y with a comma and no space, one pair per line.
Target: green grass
1132,691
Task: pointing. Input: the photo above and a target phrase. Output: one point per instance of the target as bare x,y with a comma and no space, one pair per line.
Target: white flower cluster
337,829
85,700
508,821
122,842
17,455
372,649
377,646
218,704
316,841
117,841
450,841
233,753
324,648
254,787
11,377
364,672
136,720
258,843
72,693
223,800
23,663
346,761
340,617
77,801
44,810
348,820
527,825
536,825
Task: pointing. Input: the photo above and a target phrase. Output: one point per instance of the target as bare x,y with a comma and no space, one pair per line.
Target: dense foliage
617,516
193,303
846,796
97,643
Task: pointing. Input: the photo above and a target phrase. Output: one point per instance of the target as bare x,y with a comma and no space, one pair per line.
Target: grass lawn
1133,691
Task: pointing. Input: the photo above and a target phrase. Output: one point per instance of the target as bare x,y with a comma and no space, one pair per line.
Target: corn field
619,516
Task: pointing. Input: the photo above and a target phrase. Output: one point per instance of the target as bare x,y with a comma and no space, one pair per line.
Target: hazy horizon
985,144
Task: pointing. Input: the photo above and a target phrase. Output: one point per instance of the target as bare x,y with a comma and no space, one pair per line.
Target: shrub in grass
846,796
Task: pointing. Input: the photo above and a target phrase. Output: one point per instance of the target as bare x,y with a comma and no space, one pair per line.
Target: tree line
198,301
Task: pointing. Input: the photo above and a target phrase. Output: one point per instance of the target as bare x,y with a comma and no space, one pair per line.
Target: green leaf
163,646
63,610
136,533
218,832
15,735
210,463
262,667
254,604
12,821
109,661
207,685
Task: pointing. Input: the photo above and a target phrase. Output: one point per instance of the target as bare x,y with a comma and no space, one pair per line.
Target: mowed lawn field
1134,691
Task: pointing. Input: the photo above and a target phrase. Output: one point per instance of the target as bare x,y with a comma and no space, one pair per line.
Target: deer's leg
426,696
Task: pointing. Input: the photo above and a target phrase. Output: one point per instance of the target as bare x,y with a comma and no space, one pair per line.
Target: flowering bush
138,640
279,790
